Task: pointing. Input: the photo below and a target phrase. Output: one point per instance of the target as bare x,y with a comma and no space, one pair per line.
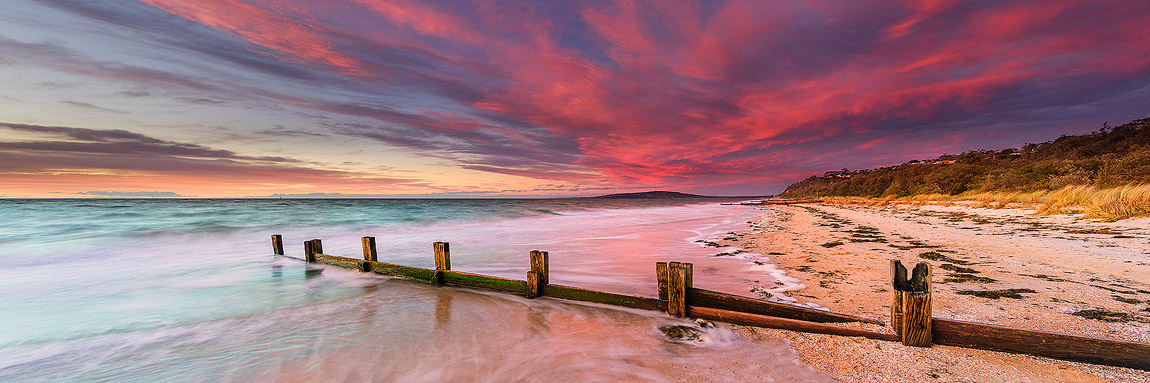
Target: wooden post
442,260
442,256
678,280
537,277
916,329
661,278
534,284
317,246
898,278
689,279
369,253
309,251
277,244
916,308
539,265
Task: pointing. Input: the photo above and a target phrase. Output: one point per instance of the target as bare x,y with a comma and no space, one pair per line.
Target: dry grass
1109,204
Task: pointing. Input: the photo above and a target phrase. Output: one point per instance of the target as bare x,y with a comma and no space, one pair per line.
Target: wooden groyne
911,303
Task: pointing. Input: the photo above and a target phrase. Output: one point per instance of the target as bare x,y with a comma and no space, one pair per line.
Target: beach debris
1105,231
957,269
914,244
1047,277
964,274
1103,315
964,277
684,334
1128,300
832,244
995,294
731,252
866,234
936,256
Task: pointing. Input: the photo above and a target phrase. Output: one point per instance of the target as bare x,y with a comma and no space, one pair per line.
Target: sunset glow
232,98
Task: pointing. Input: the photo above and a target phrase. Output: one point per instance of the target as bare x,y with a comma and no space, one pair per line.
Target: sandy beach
999,266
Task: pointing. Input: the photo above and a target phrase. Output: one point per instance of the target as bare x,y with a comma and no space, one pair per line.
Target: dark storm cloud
95,151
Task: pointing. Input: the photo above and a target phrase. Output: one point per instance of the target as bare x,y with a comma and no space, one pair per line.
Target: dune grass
1108,204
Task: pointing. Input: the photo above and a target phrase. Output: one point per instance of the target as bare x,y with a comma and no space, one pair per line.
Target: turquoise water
186,290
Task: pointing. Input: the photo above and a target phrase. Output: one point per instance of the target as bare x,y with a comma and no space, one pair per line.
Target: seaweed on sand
995,294
1103,315
832,244
936,256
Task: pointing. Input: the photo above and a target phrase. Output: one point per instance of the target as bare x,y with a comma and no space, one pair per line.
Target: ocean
153,290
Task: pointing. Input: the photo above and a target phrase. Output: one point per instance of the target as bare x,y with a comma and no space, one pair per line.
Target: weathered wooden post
914,302
679,279
369,253
689,280
317,246
661,278
442,256
898,277
537,277
309,251
534,284
442,260
539,264
916,308
277,244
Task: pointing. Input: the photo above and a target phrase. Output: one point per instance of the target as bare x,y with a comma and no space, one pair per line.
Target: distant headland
655,195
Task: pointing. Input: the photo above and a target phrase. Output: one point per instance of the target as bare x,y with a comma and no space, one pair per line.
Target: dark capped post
277,244
369,253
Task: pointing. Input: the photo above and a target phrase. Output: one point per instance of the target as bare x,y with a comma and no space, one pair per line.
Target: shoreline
999,266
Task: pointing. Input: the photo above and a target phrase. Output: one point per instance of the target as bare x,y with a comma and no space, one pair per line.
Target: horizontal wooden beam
456,278
593,296
740,318
1079,348
288,257
713,299
402,271
332,260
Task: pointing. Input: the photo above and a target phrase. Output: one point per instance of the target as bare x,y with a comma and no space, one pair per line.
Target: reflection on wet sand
443,309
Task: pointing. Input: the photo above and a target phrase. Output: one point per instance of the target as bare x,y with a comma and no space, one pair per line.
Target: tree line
1111,156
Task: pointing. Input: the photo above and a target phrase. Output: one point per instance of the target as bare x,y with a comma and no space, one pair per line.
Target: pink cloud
267,28
654,91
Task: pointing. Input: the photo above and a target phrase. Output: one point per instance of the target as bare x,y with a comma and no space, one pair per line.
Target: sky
234,98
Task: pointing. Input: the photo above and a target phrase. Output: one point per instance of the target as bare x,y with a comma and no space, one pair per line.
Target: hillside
1109,157
653,195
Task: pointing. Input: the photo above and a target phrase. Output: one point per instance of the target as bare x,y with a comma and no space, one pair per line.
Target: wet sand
999,266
